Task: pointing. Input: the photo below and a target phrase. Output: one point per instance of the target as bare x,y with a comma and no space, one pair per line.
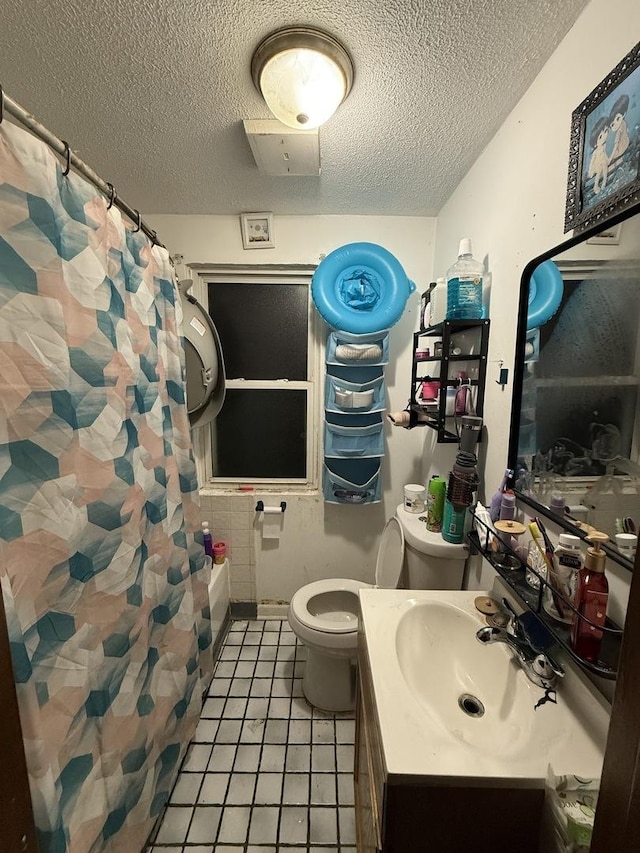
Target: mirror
575,432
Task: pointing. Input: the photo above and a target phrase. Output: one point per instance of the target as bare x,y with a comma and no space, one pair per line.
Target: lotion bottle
592,594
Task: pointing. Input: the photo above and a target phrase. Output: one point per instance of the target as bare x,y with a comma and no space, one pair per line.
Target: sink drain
471,705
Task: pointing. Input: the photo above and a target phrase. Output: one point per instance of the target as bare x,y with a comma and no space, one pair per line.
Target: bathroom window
267,429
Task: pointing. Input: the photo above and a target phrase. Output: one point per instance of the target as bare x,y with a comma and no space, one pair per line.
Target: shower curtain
102,578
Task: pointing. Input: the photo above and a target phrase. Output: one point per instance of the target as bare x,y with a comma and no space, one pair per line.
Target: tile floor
265,771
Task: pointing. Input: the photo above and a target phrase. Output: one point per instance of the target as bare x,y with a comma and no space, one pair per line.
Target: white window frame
202,276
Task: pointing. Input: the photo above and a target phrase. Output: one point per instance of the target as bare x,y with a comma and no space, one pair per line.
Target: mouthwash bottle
464,285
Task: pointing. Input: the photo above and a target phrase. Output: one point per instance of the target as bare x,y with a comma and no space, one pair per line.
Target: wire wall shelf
530,585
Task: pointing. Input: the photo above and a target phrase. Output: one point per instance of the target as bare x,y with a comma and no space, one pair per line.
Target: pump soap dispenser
590,602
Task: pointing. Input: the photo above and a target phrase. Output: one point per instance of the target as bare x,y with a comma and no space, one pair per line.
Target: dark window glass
261,433
262,328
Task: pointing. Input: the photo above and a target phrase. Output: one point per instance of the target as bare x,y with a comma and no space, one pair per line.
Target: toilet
324,614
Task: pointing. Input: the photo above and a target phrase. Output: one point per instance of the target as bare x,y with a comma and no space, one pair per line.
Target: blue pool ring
545,294
360,288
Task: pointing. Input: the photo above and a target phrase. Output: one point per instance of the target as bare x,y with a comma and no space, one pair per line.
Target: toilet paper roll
272,522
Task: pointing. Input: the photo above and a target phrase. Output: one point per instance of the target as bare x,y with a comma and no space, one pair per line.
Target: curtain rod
8,105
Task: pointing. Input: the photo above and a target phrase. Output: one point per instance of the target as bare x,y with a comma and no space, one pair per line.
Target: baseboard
244,610
272,611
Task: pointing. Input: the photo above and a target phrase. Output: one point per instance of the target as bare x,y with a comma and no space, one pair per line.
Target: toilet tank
430,562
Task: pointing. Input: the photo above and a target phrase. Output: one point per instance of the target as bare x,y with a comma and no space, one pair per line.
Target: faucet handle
546,667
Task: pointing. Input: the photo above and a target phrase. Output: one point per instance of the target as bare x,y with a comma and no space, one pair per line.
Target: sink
450,706
469,689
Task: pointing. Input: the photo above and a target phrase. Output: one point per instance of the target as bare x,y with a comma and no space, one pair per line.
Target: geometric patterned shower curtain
102,578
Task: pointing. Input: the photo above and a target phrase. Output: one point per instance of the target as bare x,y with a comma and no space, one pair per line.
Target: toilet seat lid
390,555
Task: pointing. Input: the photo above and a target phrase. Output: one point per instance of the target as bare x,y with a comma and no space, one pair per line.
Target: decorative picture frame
604,148
257,230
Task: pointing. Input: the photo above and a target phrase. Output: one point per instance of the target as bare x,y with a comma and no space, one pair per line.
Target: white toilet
324,614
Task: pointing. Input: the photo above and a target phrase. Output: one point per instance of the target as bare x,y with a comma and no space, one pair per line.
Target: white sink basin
432,677
448,671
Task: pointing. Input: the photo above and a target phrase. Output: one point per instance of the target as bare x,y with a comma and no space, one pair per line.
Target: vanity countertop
424,659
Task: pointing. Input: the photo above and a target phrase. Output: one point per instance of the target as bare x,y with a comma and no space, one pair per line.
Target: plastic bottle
496,500
591,599
439,302
507,505
464,285
567,563
208,539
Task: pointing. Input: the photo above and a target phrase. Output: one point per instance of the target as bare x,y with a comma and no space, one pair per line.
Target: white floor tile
296,789
249,653
222,758
276,731
235,708
269,789
323,731
219,686
244,669
174,825
252,731
345,789
204,826
228,731
185,792
257,709
323,789
247,758
197,758
345,731
293,825
347,821
265,668
298,759
235,825
272,760
206,731
214,789
323,826
279,709
344,757
300,731
213,708
323,759
264,825
241,789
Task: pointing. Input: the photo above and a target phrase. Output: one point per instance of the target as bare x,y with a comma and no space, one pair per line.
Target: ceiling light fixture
303,74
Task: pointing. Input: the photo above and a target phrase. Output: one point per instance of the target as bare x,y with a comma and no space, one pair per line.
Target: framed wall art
257,230
604,151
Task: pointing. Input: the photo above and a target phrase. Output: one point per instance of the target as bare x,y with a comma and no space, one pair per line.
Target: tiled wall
232,518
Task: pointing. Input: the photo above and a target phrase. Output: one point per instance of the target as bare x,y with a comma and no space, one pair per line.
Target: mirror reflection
579,430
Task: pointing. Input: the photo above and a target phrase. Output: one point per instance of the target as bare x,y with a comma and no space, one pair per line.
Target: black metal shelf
607,666
446,330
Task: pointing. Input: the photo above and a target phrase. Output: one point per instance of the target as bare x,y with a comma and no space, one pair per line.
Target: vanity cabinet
399,813
462,347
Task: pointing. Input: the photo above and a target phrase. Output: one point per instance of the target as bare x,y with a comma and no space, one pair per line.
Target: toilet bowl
324,614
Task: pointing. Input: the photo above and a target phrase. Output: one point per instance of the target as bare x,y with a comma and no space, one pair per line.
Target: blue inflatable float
545,294
360,288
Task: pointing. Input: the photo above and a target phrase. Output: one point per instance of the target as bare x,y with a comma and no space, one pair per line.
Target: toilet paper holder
260,506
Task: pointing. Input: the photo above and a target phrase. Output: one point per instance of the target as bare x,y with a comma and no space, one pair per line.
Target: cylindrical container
627,544
567,562
453,521
463,480
450,405
414,498
435,503
557,504
507,505
429,390
439,302
219,552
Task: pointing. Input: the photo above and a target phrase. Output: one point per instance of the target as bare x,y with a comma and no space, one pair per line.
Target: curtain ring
138,222
112,195
67,154
1,104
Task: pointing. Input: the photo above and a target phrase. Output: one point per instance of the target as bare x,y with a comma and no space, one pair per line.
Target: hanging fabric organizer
357,289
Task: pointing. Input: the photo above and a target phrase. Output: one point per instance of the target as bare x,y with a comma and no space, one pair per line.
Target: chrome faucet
539,668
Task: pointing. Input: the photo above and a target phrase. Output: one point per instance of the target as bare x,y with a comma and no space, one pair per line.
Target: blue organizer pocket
356,393
360,442
352,481
355,350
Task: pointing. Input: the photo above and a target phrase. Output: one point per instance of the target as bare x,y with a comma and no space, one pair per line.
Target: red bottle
591,598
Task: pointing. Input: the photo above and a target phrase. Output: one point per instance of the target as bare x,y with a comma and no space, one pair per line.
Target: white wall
318,540
511,203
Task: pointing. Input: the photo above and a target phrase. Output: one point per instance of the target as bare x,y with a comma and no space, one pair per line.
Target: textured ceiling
152,94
